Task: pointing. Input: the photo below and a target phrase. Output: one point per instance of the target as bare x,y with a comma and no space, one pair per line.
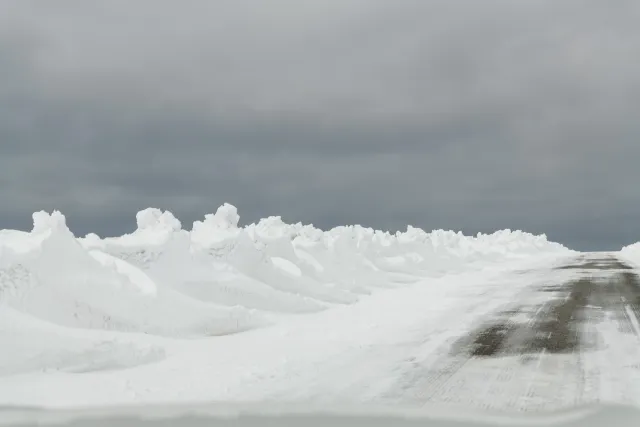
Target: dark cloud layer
441,114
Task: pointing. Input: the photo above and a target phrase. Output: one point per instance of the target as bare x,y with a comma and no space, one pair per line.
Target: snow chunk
227,216
152,218
155,227
43,222
216,227
44,226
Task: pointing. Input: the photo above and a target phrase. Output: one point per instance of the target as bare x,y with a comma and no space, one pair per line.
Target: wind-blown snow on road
269,311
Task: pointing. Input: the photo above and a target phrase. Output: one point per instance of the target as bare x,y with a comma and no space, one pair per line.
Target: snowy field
273,312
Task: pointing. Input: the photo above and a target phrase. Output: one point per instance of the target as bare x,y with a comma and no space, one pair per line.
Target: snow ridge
216,279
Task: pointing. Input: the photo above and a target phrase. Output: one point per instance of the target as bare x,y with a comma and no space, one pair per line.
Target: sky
452,114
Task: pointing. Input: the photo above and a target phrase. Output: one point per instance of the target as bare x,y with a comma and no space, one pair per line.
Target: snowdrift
216,279
631,253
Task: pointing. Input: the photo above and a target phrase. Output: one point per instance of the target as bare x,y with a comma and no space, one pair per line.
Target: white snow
157,315
259,414
286,265
136,276
631,254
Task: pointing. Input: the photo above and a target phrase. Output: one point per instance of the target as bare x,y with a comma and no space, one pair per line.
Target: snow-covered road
537,338
563,342
543,337
356,353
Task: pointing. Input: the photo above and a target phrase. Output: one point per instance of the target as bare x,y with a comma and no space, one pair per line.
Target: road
544,338
558,344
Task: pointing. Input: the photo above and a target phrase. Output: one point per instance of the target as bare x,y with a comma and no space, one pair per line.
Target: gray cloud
442,114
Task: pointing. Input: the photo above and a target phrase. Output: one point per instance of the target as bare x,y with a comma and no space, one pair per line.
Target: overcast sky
465,115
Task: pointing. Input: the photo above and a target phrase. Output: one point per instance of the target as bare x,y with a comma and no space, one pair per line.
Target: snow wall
220,278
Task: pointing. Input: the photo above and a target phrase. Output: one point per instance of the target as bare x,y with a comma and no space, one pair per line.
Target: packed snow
167,314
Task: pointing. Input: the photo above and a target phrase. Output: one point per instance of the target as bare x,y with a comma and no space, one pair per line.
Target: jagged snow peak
216,227
153,227
220,278
44,225
155,219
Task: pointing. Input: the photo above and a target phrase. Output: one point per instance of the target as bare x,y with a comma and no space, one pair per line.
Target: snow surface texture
89,305
261,415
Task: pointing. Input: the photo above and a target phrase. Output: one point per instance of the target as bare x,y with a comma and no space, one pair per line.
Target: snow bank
631,253
220,278
52,276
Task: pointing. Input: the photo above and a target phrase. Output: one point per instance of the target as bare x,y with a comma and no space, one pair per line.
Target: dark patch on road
557,325
621,297
491,340
632,283
551,288
556,317
557,330
601,264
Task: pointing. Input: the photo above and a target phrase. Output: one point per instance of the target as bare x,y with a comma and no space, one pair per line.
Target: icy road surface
539,338
552,338
564,342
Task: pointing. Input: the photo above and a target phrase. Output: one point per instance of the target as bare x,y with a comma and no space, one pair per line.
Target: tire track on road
530,356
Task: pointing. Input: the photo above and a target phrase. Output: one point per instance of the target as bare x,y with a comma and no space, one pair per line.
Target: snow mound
66,281
220,278
631,253
216,227
153,227
634,247
44,222
152,218
44,225
144,306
